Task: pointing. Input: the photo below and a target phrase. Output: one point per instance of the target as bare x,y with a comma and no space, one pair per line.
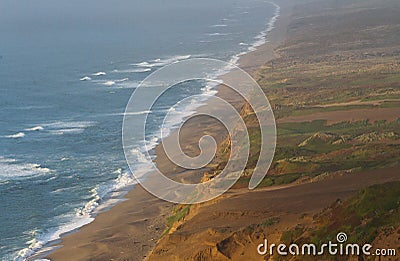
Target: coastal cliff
334,88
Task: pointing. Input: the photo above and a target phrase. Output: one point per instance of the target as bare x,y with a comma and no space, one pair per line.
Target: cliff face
371,216
231,227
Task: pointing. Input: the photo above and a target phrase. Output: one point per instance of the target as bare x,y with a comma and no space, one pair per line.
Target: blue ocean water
67,70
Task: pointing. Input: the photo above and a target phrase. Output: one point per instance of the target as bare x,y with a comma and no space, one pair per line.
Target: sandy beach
130,230
133,229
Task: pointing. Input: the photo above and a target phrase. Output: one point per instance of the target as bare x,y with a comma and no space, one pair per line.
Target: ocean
67,71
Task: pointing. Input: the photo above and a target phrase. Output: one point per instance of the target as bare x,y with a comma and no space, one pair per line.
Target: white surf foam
41,240
137,70
99,74
67,131
69,124
262,37
162,62
119,83
16,135
143,64
36,128
109,83
11,169
102,196
110,193
228,19
86,78
68,127
135,113
126,84
122,80
218,34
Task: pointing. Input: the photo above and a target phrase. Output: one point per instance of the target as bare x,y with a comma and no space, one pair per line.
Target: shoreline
143,212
